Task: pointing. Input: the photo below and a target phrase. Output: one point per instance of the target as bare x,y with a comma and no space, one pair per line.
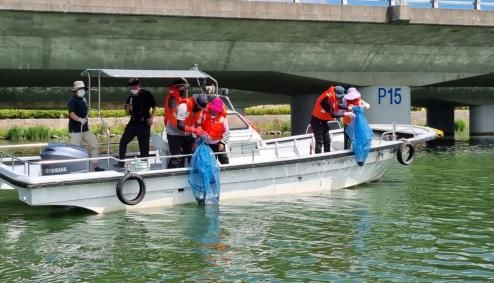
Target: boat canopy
157,74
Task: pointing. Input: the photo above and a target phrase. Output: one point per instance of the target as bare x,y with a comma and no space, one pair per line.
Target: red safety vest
215,127
319,112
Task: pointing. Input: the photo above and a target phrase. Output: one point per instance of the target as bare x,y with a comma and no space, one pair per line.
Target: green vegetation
268,110
37,133
57,114
460,125
273,125
32,133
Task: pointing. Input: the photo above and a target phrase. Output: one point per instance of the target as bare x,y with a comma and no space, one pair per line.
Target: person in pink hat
213,121
352,99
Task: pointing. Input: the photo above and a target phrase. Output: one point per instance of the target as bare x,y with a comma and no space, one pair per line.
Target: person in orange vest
180,139
213,121
351,99
326,108
176,91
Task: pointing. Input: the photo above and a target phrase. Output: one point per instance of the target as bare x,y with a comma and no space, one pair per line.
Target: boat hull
309,174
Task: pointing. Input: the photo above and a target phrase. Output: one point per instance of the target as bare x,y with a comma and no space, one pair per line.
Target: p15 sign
388,104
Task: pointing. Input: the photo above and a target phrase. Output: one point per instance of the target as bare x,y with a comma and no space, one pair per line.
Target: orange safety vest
169,115
215,127
355,102
319,112
192,117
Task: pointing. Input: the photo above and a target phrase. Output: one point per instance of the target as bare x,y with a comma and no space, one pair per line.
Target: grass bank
58,114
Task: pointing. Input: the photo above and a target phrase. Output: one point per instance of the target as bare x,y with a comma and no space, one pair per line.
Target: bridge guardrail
443,4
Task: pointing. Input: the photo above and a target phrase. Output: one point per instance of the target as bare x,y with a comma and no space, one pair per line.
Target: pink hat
216,105
352,94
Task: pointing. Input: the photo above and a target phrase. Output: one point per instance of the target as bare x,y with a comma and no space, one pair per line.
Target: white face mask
134,91
81,92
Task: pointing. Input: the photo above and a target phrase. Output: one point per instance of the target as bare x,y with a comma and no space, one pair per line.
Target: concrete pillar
301,109
442,117
481,120
389,104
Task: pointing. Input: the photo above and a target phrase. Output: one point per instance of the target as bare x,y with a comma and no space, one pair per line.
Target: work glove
196,131
150,121
350,115
82,121
200,132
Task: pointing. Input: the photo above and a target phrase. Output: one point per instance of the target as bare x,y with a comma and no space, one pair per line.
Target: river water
432,221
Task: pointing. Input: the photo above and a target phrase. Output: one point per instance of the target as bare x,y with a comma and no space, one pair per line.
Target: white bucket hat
78,85
352,94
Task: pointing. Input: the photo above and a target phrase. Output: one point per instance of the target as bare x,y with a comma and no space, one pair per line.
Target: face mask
81,92
134,91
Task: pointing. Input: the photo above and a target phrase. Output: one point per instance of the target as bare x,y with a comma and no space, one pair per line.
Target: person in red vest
176,92
213,121
326,108
351,99
180,139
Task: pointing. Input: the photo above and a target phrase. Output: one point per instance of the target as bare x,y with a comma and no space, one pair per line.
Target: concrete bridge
290,49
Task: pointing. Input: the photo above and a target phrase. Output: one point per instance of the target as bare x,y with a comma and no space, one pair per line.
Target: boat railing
393,133
255,154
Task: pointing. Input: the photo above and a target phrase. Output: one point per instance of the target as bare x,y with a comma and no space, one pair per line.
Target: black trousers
321,135
179,145
142,131
222,158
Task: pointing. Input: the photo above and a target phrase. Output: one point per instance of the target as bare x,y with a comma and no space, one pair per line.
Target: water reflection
427,222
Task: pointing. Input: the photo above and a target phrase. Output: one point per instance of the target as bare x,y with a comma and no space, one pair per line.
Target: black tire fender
142,189
403,157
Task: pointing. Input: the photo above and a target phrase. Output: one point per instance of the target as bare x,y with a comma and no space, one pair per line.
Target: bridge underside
442,63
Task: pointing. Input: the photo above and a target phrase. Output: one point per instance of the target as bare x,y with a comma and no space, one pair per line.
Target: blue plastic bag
204,175
361,135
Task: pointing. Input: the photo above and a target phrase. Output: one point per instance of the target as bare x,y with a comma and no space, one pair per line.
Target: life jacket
215,127
319,112
169,116
355,102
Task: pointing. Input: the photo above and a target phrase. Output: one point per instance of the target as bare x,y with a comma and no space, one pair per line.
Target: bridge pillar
442,117
481,118
301,109
389,104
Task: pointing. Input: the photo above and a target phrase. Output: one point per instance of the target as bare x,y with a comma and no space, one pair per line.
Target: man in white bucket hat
78,123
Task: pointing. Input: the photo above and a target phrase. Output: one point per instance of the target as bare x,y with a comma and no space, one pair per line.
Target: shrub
268,110
460,125
57,114
15,134
33,133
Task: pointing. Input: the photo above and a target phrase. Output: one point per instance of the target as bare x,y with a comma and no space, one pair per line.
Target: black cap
339,90
134,81
201,100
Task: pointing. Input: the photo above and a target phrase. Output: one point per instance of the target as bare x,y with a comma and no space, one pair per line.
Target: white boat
257,167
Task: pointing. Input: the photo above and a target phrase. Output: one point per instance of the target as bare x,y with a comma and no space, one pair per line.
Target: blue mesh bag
204,175
361,135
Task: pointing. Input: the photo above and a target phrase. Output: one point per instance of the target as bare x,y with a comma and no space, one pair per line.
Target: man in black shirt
141,106
78,124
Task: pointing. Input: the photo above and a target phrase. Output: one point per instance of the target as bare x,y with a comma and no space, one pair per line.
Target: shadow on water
11,206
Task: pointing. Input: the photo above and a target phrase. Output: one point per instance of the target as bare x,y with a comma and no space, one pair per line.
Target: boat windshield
235,122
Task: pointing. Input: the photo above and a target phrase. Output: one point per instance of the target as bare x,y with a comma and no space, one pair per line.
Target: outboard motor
58,151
